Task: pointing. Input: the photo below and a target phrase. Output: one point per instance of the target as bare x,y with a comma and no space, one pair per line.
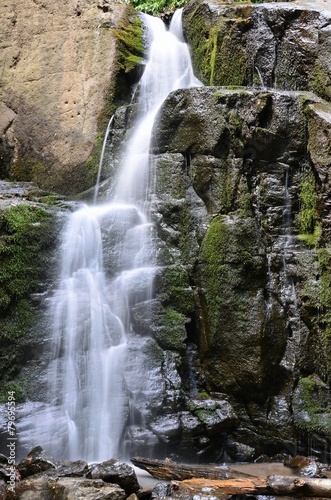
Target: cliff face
57,75
242,303
280,45
233,351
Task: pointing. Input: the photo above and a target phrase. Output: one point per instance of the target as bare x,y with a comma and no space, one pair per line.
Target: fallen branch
270,485
169,470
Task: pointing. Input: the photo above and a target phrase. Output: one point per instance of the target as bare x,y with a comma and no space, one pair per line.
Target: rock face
285,46
248,156
241,207
30,225
231,357
58,63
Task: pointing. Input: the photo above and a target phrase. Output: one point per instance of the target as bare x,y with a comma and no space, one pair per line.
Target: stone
305,466
215,415
284,46
58,63
38,460
77,468
116,472
91,489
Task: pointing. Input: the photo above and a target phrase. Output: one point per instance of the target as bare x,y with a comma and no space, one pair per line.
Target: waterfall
89,402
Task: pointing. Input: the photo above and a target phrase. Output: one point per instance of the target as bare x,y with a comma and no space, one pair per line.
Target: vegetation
130,43
25,238
314,401
218,53
154,7
307,219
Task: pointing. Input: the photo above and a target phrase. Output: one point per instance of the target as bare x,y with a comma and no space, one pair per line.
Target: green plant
156,6
25,244
307,219
130,43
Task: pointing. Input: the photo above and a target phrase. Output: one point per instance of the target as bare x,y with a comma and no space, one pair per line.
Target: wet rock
215,415
305,466
167,428
283,46
35,487
310,400
162,490
76,468
44,488
239,452
38,460
116,472
9,473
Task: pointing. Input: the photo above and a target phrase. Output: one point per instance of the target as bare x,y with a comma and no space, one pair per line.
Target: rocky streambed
40,476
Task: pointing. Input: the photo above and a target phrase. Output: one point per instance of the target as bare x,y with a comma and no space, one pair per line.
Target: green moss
217,51
157,6
311,239
173,319
203,396
45,197
324,260
24,242
130,43
177,291
315,401
244,199
307,219
172,334
17,388
318,83
212,254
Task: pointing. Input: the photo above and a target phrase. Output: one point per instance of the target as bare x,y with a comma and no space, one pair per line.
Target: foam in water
89,401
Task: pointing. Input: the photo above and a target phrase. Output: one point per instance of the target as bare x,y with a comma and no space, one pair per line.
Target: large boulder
286,46
59,65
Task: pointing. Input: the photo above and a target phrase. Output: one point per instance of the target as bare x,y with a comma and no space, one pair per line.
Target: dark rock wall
241,207
285,45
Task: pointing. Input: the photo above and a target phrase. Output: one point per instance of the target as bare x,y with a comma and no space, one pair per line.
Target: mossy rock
26,242
217,51
172,334
175,290
311,406
320,82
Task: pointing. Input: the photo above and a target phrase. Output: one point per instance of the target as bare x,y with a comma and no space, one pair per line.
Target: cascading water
89,403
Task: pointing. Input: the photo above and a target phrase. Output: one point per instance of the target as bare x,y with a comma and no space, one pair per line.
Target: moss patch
307,219
320,83
217,51
177,291
173,333
212,254
312,406
130,43
25,240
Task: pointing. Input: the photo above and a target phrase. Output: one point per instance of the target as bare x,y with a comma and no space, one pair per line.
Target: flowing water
89,402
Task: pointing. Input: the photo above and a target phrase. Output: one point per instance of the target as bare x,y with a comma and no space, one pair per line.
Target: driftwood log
190,479
271,485
169,470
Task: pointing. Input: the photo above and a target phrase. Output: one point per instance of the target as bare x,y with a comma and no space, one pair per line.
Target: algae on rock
26,243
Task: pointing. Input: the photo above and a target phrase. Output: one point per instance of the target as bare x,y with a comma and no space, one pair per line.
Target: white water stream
89,403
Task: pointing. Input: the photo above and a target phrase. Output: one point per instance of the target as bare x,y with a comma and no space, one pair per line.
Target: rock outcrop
242,214
286,45
231,358
58,68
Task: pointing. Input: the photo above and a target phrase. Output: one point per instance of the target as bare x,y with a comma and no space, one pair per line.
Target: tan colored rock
57,60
